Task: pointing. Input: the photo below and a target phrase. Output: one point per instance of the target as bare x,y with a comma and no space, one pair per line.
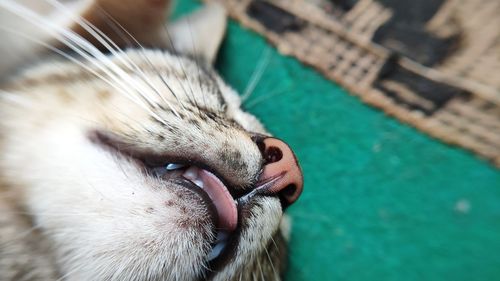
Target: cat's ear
126,22
200,33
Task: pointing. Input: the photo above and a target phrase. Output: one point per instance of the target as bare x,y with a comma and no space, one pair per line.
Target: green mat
382,201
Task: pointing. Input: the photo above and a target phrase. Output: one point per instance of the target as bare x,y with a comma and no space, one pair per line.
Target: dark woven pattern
432,64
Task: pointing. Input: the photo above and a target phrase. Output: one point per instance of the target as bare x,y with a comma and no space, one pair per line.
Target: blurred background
382,200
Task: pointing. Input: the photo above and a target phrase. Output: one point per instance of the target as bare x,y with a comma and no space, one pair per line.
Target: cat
124,156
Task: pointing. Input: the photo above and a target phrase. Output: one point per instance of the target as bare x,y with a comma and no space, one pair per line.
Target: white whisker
192,99
261,99
14,99
137,68
196,61
271,262
20,236
91,29
85,49
257,74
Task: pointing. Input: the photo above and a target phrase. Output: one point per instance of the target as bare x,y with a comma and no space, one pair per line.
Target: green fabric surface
382,201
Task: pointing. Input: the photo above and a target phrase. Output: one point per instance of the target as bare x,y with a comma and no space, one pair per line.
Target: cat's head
142,166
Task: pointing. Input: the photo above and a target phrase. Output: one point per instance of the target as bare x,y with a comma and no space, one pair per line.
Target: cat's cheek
113,216
144,230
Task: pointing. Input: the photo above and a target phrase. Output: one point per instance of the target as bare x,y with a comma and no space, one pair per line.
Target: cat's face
140,165
153,174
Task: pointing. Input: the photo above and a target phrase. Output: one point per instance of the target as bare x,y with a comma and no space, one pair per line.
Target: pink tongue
222,199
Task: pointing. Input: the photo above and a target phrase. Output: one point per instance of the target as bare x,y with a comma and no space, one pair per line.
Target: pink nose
281,174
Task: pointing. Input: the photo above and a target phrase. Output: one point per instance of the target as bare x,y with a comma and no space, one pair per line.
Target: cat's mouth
218,198
223,204
219,195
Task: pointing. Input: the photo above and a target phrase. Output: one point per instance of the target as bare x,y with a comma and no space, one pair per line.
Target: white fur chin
104,219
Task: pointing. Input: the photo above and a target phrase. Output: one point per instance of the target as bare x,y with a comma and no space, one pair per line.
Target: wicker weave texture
456,100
